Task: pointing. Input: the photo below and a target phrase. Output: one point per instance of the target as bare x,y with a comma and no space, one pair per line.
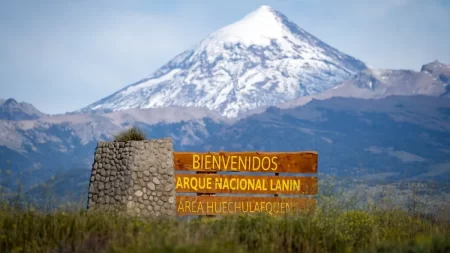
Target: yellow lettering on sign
278,186
263,206
233,184
225,185
186,183
251,184
275,165
207,161
218,183
209,207
230,207
274,184
255,158
277,209
209,183
187,206
258,184
196,161
236,207
296,185
180,207
242,162
225,165
224,207
234,162
265,165
285,185
215,208
179,183
243,184
245,210
216,162
257,207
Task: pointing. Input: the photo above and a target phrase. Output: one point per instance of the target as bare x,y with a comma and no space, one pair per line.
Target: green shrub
132,134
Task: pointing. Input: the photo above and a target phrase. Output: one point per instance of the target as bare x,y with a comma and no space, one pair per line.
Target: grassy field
350,231
332,227
342,222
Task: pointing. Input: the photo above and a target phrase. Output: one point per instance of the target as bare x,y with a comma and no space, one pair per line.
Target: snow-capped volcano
261,60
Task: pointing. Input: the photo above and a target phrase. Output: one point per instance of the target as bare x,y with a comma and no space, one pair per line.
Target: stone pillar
135,177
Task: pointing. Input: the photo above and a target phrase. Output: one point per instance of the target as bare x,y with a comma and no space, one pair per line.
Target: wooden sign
207,182
218,205
213,183
272,162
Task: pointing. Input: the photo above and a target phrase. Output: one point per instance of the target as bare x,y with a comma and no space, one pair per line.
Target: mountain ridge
10,109
383,135
380,83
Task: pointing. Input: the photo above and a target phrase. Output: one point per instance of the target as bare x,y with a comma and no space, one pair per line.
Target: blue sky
62,55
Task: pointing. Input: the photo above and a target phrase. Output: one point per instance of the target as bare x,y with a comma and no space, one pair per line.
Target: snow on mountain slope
262,60
432,80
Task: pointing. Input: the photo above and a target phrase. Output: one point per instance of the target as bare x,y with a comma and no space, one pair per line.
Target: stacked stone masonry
135,177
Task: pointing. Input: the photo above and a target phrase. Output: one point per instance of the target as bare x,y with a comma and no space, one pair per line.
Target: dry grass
331,228
340,223
132,134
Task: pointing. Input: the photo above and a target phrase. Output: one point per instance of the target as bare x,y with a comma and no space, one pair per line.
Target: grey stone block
135,176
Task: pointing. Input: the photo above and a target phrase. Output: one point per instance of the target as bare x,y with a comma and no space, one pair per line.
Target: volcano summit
261,60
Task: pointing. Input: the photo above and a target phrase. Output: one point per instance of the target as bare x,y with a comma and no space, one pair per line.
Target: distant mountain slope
398,137
262,60
379,140
432,80
39,148
92,127
10,109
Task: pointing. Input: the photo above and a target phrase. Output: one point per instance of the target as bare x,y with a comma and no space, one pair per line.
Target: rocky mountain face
432,80
439,71
10,109
262,60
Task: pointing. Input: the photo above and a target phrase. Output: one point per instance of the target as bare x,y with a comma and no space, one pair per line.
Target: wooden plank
232,183
272,162
218,205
